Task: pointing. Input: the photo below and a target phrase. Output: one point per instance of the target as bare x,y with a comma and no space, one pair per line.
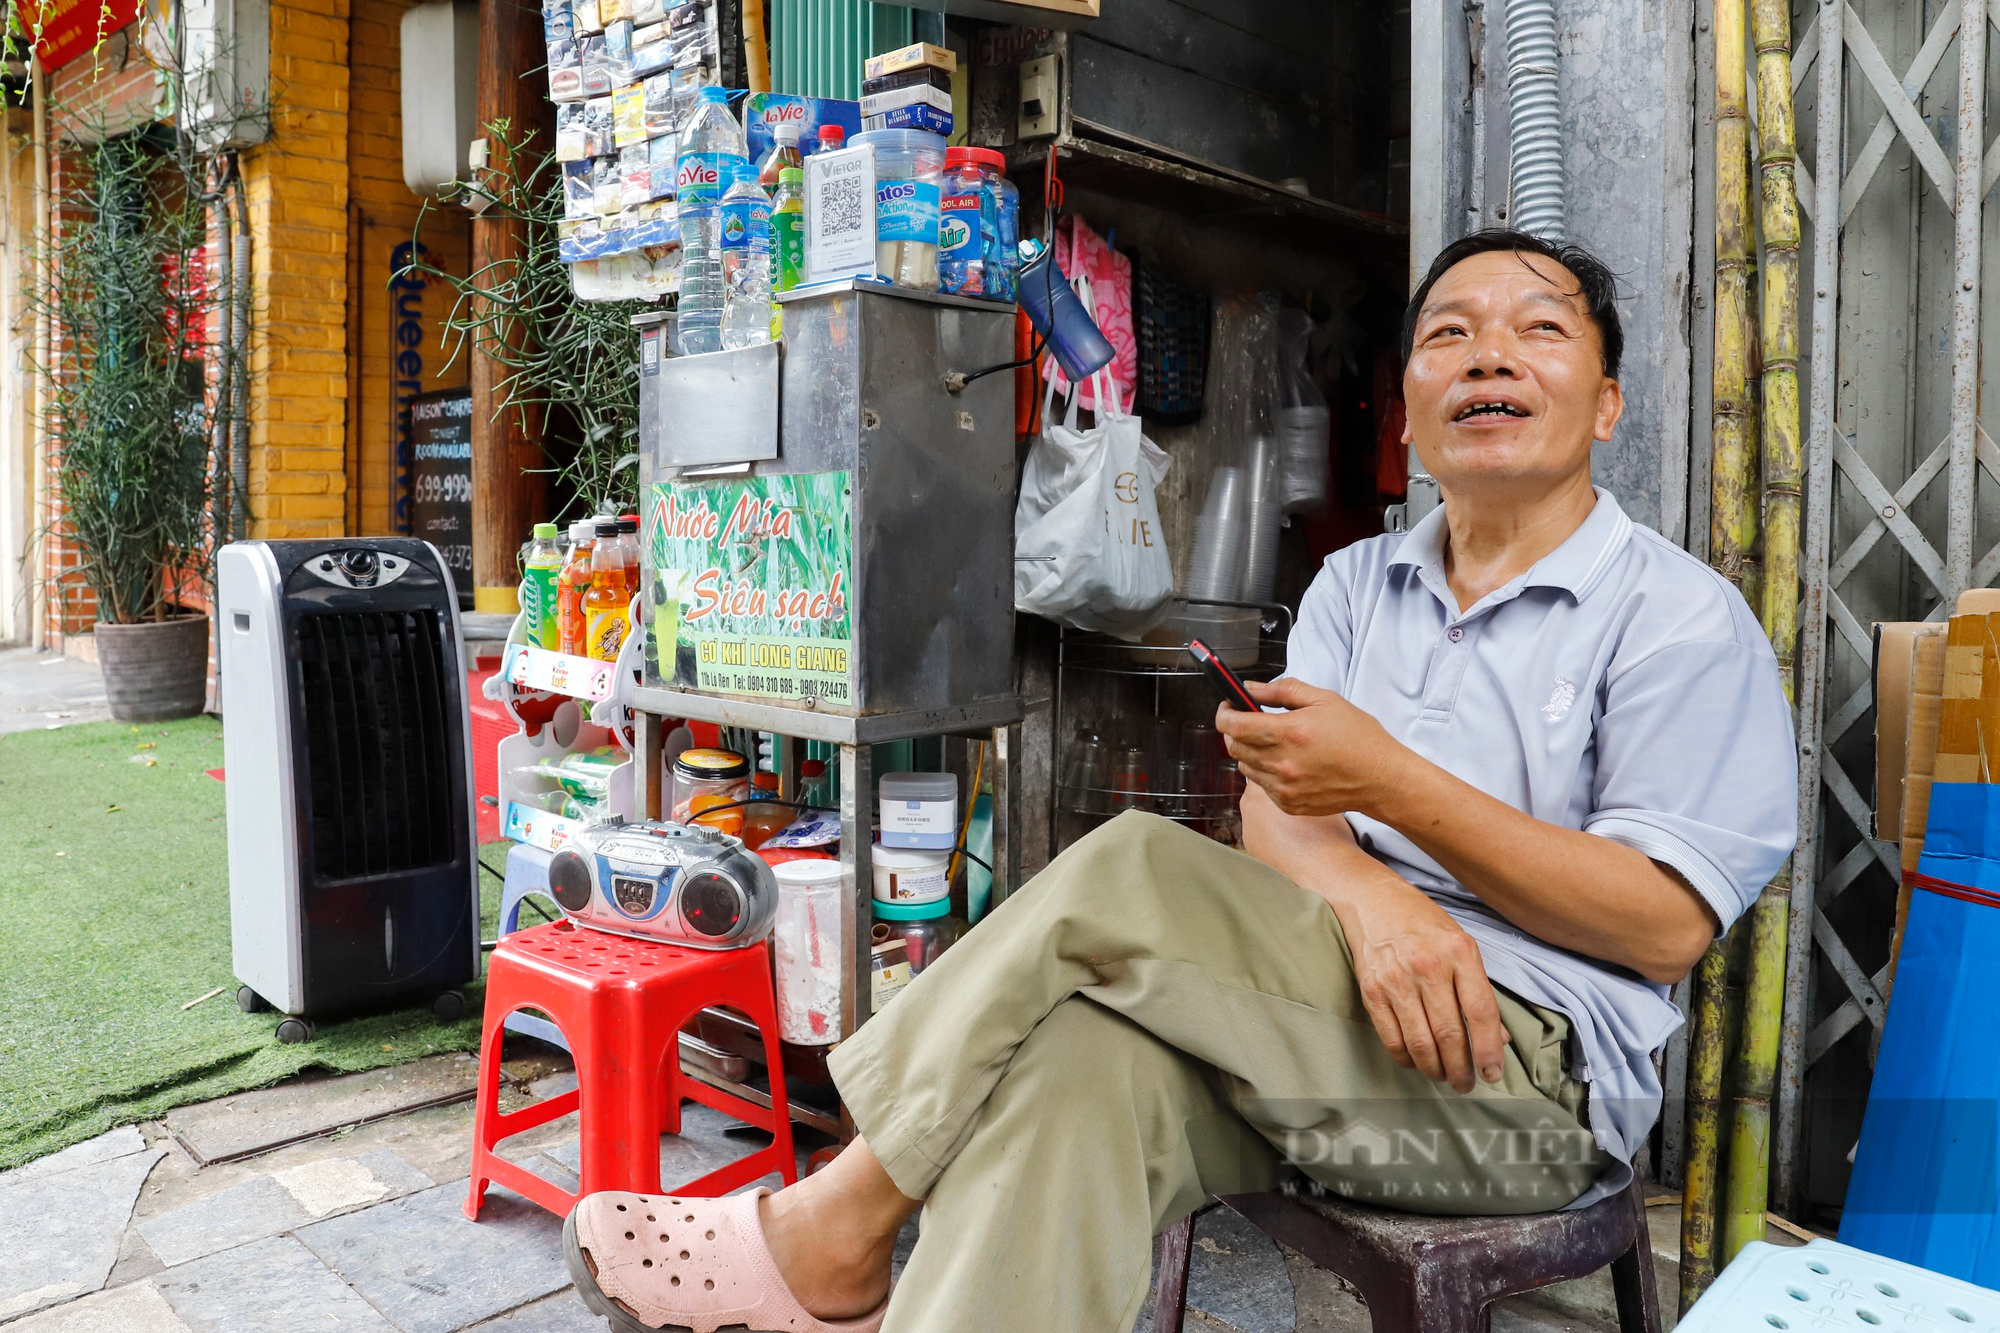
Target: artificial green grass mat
114,915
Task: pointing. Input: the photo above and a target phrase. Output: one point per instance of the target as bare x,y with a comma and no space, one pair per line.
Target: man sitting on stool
1533,759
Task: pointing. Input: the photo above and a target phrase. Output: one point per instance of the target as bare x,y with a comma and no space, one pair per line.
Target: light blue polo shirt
1619,686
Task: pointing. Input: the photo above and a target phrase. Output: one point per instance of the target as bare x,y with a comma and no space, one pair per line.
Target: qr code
840,206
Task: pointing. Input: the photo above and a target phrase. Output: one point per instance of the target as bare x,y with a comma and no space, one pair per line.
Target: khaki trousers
1155,1018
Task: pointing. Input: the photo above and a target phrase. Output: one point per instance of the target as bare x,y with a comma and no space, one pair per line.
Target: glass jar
925,929
707,779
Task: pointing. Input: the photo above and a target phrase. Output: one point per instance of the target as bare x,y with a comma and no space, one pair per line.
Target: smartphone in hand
1226,682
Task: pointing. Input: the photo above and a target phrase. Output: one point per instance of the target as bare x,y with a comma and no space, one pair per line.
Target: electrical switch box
1041,94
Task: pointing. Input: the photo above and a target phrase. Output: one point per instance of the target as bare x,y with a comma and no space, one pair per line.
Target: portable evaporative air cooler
353,872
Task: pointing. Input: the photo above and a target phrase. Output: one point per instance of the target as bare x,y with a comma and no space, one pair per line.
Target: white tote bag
1088,550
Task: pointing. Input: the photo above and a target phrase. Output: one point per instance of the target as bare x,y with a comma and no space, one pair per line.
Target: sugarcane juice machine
827,545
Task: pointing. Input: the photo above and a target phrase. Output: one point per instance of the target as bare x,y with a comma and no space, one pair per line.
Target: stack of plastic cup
1303,432
1216,571
1263,519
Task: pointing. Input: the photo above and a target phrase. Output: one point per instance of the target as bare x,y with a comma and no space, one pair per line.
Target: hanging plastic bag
1088,550
1103,279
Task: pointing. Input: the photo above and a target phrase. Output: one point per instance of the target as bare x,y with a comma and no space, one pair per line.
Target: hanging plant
569,364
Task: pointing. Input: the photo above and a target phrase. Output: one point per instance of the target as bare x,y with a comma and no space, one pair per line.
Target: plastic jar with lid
909,874
805,942
926,929
909,173
969,227
918,810
706,779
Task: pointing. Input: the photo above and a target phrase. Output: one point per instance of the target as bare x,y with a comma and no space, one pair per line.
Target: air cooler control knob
358,564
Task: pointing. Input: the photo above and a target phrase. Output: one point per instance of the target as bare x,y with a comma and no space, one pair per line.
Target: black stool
1438,1274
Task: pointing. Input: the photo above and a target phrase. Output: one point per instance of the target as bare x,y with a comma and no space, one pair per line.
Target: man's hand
1424,984
1324,757
1419,973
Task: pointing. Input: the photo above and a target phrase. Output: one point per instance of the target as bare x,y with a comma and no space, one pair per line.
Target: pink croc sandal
650,1262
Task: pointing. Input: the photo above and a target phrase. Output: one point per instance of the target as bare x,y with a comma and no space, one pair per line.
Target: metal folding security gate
1892,113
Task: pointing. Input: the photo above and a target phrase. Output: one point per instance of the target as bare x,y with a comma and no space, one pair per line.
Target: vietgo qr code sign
840,214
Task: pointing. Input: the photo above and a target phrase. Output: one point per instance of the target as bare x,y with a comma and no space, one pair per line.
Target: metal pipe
239,356
1966,215
1534,107
222,492
1815,544
1475,182
38,587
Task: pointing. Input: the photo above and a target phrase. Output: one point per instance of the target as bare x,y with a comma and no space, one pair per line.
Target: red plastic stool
621,1003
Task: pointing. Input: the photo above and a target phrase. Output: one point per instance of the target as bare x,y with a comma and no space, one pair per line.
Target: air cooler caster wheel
448,1007
295,1030
250,1002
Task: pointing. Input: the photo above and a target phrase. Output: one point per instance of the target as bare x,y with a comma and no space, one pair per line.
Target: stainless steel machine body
928,497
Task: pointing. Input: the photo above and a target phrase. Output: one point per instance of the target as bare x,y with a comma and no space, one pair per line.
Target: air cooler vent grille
377,743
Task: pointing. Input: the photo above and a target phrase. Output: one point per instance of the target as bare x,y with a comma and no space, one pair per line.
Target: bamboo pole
1754,1070
1778,341
1732,538
1733,524
1704,1116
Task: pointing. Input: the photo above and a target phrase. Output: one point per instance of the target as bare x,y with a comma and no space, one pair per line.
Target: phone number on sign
832,690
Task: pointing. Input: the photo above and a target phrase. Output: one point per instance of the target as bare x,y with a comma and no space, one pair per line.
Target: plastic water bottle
746,263
1007,211
538,589
788,241
712,155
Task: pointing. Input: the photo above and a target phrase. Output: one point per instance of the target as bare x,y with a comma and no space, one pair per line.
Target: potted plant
126,412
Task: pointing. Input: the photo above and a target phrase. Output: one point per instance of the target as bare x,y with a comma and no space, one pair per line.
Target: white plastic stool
1825,1284
527,874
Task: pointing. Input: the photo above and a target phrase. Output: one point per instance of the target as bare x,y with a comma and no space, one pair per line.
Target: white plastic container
918,810
805,936
908,875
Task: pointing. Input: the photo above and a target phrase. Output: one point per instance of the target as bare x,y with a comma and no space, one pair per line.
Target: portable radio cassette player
680,883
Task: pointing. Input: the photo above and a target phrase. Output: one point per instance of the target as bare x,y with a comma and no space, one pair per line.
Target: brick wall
327,207
105,92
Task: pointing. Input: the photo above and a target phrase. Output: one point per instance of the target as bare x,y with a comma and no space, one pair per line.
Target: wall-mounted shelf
1205,195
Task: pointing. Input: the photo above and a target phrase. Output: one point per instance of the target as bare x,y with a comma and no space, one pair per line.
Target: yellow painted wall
297,186
331,178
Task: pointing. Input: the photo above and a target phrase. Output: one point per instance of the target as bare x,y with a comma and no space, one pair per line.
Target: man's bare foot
833,1234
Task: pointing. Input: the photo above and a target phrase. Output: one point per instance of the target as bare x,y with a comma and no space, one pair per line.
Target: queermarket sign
66,29
752,589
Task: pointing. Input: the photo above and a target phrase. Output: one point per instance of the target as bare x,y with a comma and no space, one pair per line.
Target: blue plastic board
1926,1183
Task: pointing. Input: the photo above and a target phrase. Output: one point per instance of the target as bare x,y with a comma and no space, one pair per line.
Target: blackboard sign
441,479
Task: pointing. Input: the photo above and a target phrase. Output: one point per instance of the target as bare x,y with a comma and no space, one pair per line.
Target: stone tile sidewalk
40,689
361,1231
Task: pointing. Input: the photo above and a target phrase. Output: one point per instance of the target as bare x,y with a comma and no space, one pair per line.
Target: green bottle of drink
538,589
788,241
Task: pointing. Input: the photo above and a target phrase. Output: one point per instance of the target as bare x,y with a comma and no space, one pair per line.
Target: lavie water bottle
712,154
